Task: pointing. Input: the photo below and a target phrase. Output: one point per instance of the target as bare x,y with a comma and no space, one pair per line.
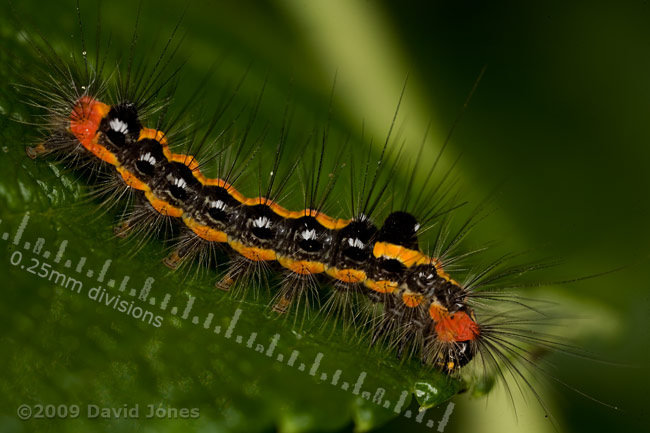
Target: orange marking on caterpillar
406,256
442,273
160,137
205,232
458,326
252,253
381,286
325,220
303,267
332,223
100,151
190,162
222,184
412,299
279,210
85,119
254,201
131,180
162,206
187,160
439,268
347,275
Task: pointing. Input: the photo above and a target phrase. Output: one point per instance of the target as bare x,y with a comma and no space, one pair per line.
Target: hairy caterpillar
165,130
423,307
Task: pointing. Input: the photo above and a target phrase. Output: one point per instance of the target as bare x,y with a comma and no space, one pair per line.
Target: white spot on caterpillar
422,275
217,204
180,182
262,222
309,234
355,243
149,158
119,126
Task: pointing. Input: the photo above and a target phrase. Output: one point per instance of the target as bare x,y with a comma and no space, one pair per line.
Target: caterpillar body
386,263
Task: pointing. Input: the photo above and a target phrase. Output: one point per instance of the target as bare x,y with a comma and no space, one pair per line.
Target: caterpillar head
453,332
456,334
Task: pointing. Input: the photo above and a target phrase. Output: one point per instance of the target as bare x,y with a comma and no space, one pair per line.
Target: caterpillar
385,264
91,125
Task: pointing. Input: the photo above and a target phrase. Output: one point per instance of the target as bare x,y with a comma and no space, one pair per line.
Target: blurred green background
559,120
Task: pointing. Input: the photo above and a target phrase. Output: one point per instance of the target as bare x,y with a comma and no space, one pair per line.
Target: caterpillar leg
282,305
122,230
191,250
174,260
297,291
35,151
225,283
64,144
244,275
